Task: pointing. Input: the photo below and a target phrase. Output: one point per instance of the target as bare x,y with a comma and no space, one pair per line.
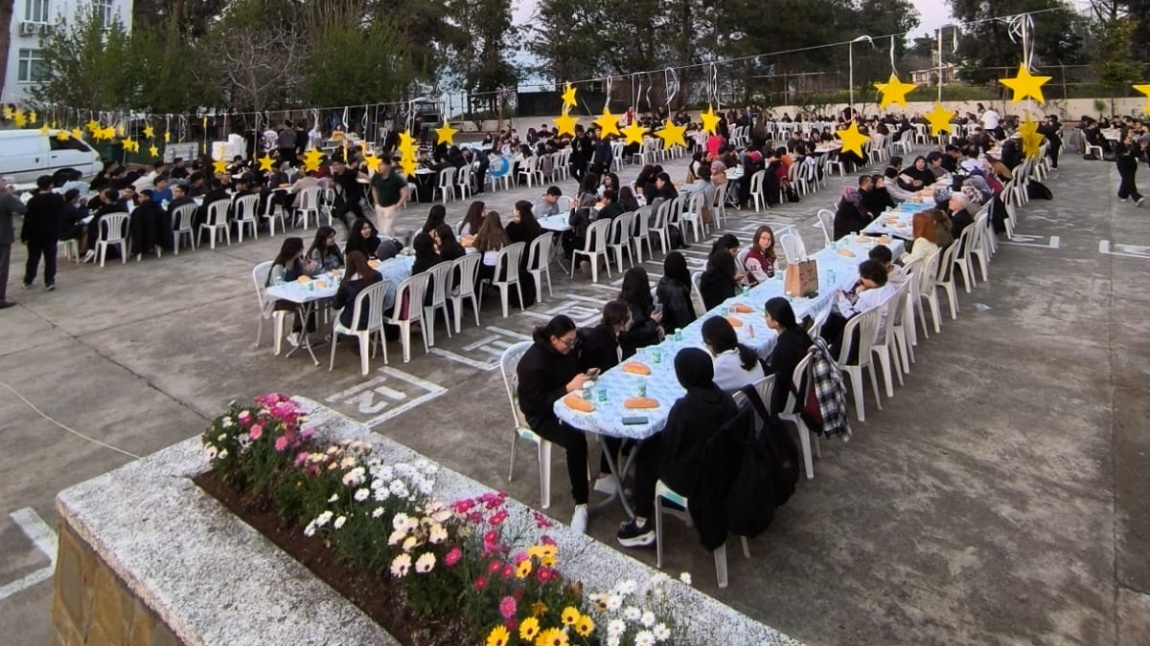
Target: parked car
27,154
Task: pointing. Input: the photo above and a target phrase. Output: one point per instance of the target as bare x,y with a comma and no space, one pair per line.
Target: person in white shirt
924,243
894,274
990,121
873,290
736,365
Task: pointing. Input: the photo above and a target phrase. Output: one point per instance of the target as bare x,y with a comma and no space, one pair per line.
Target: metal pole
940,65
851,80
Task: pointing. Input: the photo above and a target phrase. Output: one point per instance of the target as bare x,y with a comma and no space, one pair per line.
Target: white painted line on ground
1055,242
467,361
44,538
26,581
367,385
1103,246
433,391
1020,240
515,335
1125,250
484,341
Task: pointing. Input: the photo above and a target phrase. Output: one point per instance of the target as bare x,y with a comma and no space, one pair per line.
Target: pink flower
541,521
511,624
281,443
498,518
453,556
475,518
491,537
463,506
256,431
494,567
307,433
301,459
544,574
547,540
481,583
517,593
507,571
507,607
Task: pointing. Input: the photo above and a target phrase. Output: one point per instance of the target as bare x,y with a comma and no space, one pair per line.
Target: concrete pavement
1000,497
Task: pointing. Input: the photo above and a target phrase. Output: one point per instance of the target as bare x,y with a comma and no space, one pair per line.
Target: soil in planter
380,597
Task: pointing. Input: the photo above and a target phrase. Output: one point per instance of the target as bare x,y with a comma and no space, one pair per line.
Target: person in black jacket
877,199
645,326
599,351
720,281
851,216
674,293
41,227
1126,154
675,455
546,373
363,238
358,275
1051,128
790,348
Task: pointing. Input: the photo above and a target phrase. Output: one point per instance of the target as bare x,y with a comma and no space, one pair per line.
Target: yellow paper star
710,121
128,143
568,98
44,129
19,118
120,129
634,134
93,126
266,162
8,112
894,91
219,167
153,152
445,135
1145,89
31,116
407,145
167,136
149,132
1031,139
109,133
408,166
852,139
672,134
939,119
311,159
371,161
1025,85
77,133
566,123
62,135
608,123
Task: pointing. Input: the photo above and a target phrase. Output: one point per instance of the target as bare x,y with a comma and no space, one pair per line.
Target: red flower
499,517
508,571
491,537
452,557
547,540
475,517
541,521
463,506
494,567
544,574
481,583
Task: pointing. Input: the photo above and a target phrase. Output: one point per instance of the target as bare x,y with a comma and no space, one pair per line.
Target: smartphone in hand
592,373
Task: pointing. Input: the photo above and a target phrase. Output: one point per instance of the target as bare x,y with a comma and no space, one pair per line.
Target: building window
32,68
36,10
104,12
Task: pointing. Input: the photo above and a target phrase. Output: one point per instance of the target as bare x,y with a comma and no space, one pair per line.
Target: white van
28,154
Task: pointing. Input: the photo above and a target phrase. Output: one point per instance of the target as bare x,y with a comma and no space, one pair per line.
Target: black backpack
1038,191
768,469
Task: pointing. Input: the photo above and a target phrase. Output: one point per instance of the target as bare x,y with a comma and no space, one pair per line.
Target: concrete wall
91,605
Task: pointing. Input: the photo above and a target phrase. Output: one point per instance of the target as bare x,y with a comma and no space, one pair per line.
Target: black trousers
38,247
646,475
1127,188
574,442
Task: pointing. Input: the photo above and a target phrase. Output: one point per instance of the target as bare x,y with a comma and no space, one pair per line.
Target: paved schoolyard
1000,497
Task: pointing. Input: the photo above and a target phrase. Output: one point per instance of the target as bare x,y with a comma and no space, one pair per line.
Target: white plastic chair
463,182
260,278
641,225
757,189
663,492
808,439
410,292
371,297
528,168
246,215
217,222
719,206
182,226
962,262
439,283
465,268
113,231
508,365
928,289
446,186
71,249
539,263
794,251
885,345
507,274
827,224
308,205
594,247
866,325
659,227
980,246
694,215
272,211
564,203
619,239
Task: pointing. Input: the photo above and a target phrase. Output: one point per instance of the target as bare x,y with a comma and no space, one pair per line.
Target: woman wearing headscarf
674,293
675,456
851,215
645,328
917,176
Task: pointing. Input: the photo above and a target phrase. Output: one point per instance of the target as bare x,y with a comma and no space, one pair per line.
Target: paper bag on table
802,278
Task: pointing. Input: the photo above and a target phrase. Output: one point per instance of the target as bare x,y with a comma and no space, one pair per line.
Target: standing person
1126,155
389,192
348,189
40,231
1051,128
286,142
547,372
10,206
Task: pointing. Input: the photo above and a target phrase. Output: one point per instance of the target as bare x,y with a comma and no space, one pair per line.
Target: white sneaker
1140,201
579,519
293,339
606,484
88,257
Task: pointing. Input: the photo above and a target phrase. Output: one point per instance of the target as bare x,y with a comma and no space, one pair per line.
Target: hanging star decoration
149,132
568,98
634,134
1145,89
672,134
44,129
129,144
19,118
1025,85
852,139
93,126
266,163
939,120
120,130
710,121
153,151
77,133
608,123
8,112
407,150
408,166
62,135
31,116
445,135
1031,139
109,133
167,136
219,167
370,161
311,159
894,91
566,123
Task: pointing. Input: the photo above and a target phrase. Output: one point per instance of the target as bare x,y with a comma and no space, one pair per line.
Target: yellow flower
552,637
547,561
570,616
529,628
498,636
538,609
585,626
548,551
523,569
535,551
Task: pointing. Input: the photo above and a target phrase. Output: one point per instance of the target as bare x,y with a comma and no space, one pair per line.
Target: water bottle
746,290
642,390
279,280
678,336
657,355
587,392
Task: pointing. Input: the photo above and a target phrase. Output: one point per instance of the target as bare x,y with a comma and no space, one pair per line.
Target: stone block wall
91,606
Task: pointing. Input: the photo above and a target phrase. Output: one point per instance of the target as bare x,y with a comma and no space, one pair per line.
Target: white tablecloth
903,225
394,271
835,272
557,223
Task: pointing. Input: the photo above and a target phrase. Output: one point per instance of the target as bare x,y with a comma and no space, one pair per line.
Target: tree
165,62
484,46
1115,65
255,56
987,44
89,64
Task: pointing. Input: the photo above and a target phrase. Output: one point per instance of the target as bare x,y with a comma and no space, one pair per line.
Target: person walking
389,192
1126,155
10,207
40,232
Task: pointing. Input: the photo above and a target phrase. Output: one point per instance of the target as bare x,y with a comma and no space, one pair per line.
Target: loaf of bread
636,368
575,402
640,402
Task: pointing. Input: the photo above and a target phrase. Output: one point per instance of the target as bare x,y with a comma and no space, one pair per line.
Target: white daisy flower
400,521
660,578
661,632
631,613
310,529
210,453
400,565
685,578
437,534
424,563
334,498
398,489
323,519
381,494
644,638
224,454
221,437
385,473
409,543
377,512
613,641
362,494
396,536
227,422
616,627
626,586
339,522
614,602
648,619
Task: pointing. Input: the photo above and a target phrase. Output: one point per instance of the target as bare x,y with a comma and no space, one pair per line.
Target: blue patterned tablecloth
322,286
903,228
613,387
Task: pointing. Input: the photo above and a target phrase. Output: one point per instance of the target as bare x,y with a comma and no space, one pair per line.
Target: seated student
960,217
878,198
759,263
473,219
924,243
736,365
492,237
645,328
363,238
435,217
790,349
358,276
425,255
289,265
72,226
934,164
720,281
675,455
674,293
599,351
549,203
942,227
916,176
324,250
851,216
882,255
547,372
871,291
609,206
149,226
449,248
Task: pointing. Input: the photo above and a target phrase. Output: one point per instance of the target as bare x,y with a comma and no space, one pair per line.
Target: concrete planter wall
148,559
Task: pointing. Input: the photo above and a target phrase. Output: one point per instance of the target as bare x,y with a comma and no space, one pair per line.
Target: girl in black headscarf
674,293
645,329
675,456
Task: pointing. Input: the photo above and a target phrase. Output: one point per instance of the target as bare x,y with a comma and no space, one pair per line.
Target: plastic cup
602,394
642,390
657,355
